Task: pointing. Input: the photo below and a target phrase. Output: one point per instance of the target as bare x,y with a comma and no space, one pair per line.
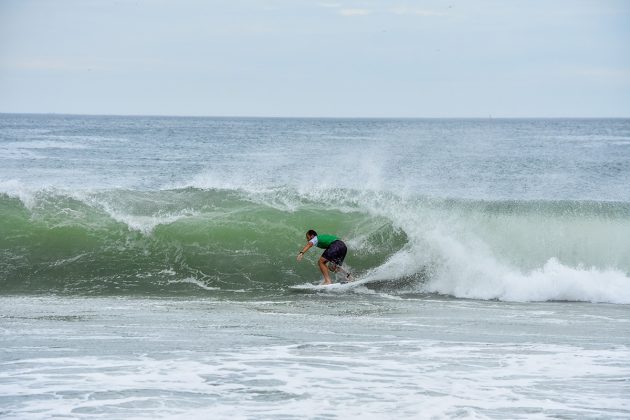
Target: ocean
148,268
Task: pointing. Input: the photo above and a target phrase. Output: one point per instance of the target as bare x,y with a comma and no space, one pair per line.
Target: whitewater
148,267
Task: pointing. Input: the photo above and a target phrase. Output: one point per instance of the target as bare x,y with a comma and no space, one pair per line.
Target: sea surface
148,268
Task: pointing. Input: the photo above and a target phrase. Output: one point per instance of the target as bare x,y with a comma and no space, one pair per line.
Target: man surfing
334,253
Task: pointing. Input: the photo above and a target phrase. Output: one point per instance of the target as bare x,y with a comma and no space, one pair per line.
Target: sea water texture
147,267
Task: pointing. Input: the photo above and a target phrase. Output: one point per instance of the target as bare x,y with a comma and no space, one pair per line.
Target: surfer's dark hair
311,233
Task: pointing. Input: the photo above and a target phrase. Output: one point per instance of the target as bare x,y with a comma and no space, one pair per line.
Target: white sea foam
44,144
144,223
224,180
408,378
472,269
16,189
194,281
553,281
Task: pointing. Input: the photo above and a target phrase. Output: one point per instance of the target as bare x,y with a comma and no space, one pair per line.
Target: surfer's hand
300,255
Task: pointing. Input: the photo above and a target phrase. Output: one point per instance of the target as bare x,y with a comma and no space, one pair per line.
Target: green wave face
170,242
192,241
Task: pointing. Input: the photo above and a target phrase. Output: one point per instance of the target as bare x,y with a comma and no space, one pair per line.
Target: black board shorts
336,252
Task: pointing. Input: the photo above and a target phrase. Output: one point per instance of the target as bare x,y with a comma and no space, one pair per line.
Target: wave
210,241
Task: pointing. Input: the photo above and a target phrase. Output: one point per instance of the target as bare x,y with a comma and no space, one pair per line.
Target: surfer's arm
306,248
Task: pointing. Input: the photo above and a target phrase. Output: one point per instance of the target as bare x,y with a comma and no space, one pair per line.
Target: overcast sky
460,58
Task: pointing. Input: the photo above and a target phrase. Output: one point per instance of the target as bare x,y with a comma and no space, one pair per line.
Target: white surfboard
329,287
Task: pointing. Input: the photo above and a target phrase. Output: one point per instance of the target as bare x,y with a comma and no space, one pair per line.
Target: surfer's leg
324,269
337,268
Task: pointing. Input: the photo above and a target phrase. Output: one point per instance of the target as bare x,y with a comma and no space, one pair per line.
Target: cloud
355,12
401,11
75,64
606,74
45,64
414,12
330,5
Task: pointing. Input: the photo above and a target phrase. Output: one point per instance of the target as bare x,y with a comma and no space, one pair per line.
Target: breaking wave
212,241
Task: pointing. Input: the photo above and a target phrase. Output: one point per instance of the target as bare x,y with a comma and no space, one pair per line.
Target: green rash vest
324,241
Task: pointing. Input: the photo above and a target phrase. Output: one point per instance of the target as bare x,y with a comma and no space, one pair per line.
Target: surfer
334,253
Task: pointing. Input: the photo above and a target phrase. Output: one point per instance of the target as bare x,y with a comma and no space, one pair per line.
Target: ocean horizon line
490,117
